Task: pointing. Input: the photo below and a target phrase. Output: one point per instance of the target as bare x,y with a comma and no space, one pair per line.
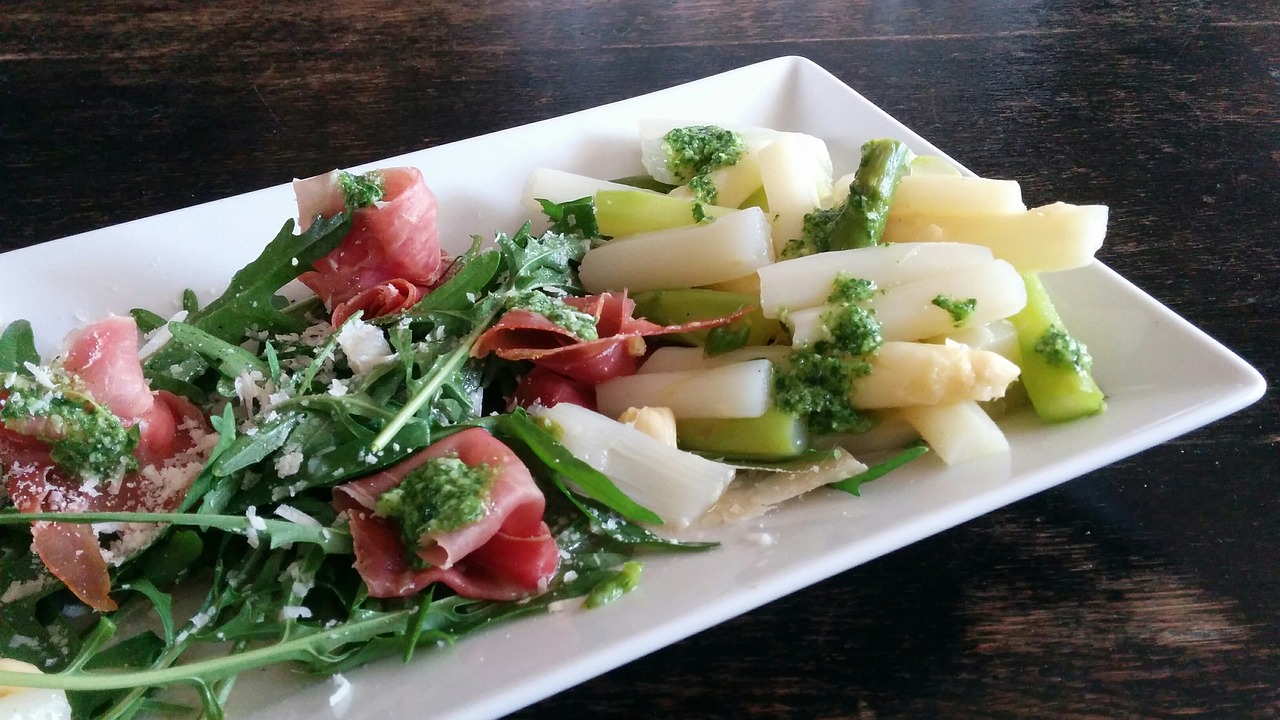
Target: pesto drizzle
441,495
960,310
84,438
361,190
851,328
581,324
1059,349
694,152
817,382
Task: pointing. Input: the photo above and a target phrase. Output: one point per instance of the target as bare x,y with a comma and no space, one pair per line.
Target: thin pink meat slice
395,239
104,356
525,335
507,554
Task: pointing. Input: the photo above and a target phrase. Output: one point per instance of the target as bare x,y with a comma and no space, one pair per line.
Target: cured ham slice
170,451
508,554
526,335
548,389
390,297
392,244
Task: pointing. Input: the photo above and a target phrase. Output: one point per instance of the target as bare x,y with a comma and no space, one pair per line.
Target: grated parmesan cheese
159,337
295,612
289,462
18,590
255,524
364,345
341,694
296,516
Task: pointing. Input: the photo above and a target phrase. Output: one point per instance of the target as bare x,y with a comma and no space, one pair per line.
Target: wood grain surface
1149,589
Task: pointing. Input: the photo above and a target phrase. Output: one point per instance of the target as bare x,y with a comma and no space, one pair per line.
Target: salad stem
218,668
449,365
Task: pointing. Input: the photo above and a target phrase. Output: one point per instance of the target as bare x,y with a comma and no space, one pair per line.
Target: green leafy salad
427,444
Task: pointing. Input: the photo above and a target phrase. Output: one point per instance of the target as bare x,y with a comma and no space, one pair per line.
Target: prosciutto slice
393,243
548,389
526,335
390,297
507,554
170,451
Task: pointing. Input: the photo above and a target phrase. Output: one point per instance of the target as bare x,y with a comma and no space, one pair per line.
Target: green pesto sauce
581,324
960,310
84,438
550,427
818,386
694,152
441,495
852,329
704,189
847,289
815,234
700,213
1059,349
615,586
361,190
700,149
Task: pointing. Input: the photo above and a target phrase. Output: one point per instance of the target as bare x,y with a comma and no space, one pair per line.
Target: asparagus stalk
1056,369
884,162
773,436
627,212
860,220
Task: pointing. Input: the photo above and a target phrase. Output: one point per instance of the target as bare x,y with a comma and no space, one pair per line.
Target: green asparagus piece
776,435
1056,368
859,221
627,212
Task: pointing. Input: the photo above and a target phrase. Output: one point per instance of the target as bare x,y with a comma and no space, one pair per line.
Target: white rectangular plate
1163,377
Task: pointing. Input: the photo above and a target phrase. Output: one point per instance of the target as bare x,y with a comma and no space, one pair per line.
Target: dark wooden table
1147,589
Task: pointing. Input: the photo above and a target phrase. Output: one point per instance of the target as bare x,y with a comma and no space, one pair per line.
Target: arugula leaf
146,320
168,560
610,524
225,426
190,302
854,484
249,300
279,533
548,262
131,653
459,292
442,371
315,647
230,360
575,217
18,347
560,462
247,450
160,600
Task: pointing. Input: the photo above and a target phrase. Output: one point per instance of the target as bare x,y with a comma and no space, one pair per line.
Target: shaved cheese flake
364,345
296,516
756,492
